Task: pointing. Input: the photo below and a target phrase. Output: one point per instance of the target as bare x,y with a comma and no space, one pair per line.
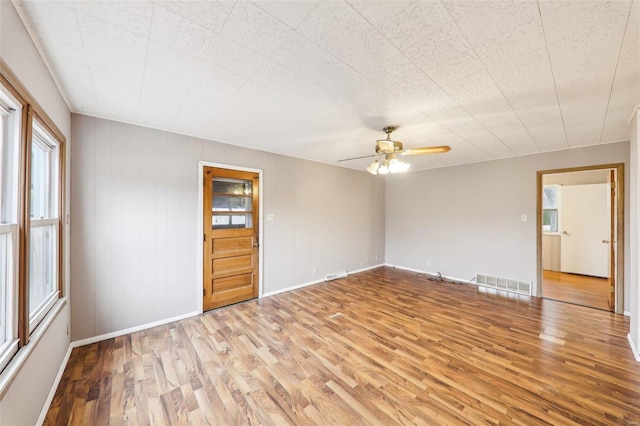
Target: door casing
201,166
619,246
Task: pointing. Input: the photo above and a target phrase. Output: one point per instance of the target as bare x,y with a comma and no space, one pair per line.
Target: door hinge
204,292
613,185
204,238
613,290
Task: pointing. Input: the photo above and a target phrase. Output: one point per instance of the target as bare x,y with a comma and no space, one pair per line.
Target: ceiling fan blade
427,150
357,158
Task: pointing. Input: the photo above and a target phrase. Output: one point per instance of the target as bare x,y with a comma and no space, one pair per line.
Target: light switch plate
271,217
523,217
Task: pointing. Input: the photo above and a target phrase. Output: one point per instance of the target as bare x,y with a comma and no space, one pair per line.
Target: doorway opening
580,235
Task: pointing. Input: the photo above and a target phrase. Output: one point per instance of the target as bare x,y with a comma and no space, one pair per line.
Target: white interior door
585,223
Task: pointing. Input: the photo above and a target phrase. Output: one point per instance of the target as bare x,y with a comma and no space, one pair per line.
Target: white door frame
201,166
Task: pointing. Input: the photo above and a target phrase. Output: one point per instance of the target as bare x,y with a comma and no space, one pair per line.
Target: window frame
555,209
30,113
10,99
41,136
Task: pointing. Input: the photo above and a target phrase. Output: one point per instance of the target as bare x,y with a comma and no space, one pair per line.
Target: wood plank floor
579,289
380,347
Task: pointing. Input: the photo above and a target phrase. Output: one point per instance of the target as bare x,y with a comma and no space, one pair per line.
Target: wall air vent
505,284
335,276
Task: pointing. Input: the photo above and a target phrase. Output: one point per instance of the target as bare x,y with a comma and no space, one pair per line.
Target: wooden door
230,259
585,222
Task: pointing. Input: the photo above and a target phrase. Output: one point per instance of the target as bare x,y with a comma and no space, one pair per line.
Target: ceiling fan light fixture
398,166
384,166
373,167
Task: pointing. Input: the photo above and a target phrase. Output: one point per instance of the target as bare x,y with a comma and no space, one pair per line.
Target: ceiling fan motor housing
384,146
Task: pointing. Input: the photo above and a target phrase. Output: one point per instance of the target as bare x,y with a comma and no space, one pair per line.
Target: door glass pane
232,186
225,221
232,203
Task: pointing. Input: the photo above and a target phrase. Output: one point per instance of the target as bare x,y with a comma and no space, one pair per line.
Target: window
550,203
31,227
10,124
43,239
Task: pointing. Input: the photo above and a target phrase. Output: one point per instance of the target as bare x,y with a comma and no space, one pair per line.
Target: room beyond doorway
580,236
582,290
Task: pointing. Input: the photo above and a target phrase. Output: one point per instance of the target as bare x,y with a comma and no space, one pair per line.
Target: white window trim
43,139
45,306
35,223
13,110
42,310
7,351
10,347
557,208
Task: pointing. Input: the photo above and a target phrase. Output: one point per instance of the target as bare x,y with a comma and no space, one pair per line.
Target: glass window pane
42,280
550,197
9,145
550,220
39,181
6,280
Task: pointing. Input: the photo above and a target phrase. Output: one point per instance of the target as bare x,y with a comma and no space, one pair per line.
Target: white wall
634,201
22,402
135,234
466,219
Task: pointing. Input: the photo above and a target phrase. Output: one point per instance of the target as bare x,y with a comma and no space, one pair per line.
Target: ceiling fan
387,151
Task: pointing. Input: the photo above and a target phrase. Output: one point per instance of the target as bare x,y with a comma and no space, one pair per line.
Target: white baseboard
54,387
634,349
627,313
298,286
368,268
294,287
113,334
419,271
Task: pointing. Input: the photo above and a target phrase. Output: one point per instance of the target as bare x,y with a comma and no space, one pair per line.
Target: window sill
15,365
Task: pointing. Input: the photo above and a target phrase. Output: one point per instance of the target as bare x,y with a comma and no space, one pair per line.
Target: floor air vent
505,284
335,276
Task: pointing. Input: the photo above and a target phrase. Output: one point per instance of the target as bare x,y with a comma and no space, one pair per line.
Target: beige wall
22,402
466,219
135,227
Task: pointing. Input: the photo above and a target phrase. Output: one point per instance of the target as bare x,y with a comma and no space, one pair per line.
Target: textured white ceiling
320,79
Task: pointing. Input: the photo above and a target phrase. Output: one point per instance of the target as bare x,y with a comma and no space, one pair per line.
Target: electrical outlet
377,257
366,259
428,262
314,270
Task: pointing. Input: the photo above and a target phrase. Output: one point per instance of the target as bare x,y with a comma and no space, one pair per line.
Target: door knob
256,244
605,241
565,233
